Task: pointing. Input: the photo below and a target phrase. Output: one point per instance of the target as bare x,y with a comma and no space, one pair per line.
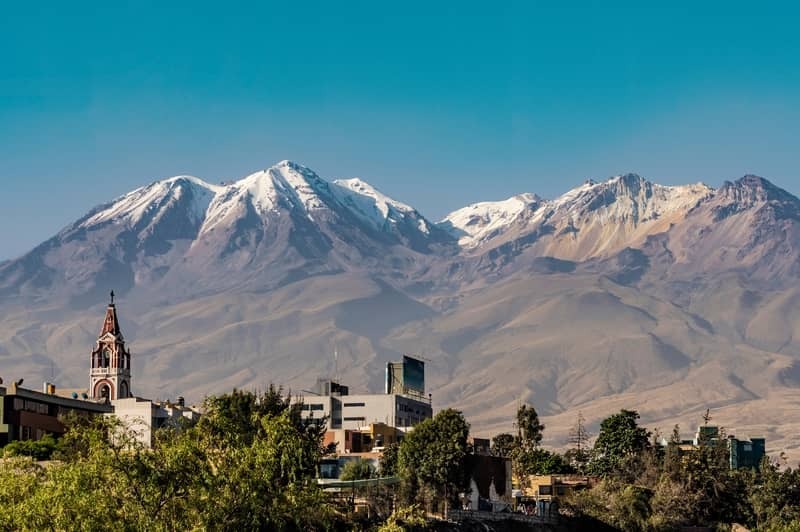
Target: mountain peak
752,188
150,202
481,221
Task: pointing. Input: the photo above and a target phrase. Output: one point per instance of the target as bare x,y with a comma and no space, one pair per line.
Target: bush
37,449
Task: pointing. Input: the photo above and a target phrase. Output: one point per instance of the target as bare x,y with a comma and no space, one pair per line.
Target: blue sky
439,104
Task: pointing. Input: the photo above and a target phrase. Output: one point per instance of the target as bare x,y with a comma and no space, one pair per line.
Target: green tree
543,462
529,429
433,456
776,498
503,445
235,417
387,464
620,438
199,477
357,469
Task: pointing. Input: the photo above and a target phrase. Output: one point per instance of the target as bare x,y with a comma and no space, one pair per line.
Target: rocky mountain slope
619,293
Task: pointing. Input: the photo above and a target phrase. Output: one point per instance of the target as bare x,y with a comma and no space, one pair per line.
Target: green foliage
434,454
404,518
357,470
235,417
776,499
503,445
530,430
203,477
654,488
620,437
388,461
542,462
42,449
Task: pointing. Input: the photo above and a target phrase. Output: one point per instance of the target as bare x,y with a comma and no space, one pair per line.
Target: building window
353,404
545,490
316,407
358,418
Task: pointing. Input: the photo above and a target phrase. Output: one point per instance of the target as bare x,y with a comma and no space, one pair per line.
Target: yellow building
551,487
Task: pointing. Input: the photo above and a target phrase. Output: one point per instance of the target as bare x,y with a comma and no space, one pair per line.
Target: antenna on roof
112,297
336,364
707,416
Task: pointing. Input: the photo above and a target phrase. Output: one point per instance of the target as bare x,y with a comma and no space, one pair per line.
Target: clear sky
438,104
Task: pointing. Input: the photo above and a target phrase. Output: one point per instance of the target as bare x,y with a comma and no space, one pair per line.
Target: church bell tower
110,376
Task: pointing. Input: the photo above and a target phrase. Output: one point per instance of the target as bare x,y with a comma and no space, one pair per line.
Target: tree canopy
620,437
434,453
250,464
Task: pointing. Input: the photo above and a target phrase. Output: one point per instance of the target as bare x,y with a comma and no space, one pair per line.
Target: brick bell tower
110,376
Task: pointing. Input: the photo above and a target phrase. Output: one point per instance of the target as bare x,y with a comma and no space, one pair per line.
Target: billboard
413,375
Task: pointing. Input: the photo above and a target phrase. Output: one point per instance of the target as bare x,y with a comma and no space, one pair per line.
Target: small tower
110,376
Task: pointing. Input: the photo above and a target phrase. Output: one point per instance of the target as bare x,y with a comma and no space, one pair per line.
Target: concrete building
29,415
402,406
376,436
143,416
357,411
741,453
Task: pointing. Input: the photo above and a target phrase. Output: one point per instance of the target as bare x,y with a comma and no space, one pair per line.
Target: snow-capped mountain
281,223
480,222
592,220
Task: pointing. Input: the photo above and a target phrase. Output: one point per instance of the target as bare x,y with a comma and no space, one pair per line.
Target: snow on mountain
480,221
372,206
286,185
146,205
629,198
592,219
284,222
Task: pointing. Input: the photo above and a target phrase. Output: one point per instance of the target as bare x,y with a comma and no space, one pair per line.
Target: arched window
104,391
106,357
123,390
